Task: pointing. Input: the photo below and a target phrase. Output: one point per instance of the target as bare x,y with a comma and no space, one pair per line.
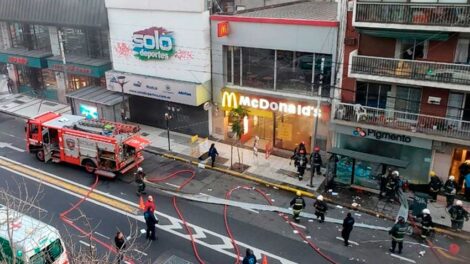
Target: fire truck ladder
98,126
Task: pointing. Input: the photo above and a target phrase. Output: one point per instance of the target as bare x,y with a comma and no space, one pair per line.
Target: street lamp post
316,114
122,81
168,117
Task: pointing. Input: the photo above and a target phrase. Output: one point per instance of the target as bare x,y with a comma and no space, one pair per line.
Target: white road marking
403,258
248,209
101,235
140,252
172,185
226,248
299,225
86,244
350,241
10,146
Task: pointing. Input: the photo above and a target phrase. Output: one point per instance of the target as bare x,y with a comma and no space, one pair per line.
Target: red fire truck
102,147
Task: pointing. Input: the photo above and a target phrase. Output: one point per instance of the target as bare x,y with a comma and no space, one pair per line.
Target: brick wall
442,51
375,46
434,110
348,84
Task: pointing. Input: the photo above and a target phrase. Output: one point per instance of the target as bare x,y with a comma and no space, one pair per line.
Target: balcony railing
451,15
447,73
411,122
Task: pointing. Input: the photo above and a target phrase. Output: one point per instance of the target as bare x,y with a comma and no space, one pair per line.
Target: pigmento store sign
232,100
155,43
379,135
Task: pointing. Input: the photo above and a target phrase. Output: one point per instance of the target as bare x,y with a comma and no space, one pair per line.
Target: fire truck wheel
89,166
40,155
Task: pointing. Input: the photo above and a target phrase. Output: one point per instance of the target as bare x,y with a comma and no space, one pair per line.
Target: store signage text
380,135
71,69
223,29
230,100
155,43
18,60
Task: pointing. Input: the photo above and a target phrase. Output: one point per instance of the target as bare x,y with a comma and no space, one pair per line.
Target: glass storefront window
344,168
292,129
30,37
48,79
322,72
367,174
258,68
294,71
77,82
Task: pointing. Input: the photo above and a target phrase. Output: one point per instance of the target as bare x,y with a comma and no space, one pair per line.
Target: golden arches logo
229,99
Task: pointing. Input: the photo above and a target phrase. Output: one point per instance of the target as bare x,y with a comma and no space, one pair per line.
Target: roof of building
68,13
97,95
307,10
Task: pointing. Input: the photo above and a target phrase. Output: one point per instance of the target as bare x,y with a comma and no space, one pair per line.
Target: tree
236,116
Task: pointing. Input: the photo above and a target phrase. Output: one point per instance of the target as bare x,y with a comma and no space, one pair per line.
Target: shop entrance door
457,168
263,128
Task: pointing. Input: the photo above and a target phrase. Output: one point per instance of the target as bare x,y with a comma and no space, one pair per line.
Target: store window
291,129
279,70
462,51
408,99
48,79
77,82
30,37
372,94
412,49
92,43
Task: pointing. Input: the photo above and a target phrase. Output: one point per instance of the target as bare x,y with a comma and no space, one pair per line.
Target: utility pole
60,34
168,117
122,82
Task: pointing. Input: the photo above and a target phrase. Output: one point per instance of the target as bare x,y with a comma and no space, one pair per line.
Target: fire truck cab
102,147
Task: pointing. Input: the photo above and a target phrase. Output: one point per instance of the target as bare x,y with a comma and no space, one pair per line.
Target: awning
80,65
97,95
138,142
411,35
370,157
30,58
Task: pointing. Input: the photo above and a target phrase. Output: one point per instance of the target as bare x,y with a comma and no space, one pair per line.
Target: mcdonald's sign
222,29
229,99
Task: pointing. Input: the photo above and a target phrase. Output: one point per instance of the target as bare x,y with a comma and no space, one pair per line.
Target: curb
306,193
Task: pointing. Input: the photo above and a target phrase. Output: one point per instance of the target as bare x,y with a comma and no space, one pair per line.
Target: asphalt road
265,232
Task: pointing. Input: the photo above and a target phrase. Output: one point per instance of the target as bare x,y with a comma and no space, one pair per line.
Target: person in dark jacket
457,215
450,189
298,152
426,223
213,153
249,257
302,165
150,221
398,232
466,184
298,204
383,182
435,186
120,244
320,208
464,169
348,224
392,185
315,162
139,179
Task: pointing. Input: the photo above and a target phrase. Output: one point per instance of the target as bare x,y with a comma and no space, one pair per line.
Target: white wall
164,5
191,35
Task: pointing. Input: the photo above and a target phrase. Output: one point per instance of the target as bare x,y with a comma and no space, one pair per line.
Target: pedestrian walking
249,257
450,189
320,208
150,220
457,215
398,232
139,176
426,223
435,185
10,84
348,224
150,204
120,243
297,204
466,183
213,153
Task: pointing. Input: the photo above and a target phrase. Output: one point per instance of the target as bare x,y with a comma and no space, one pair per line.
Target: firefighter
457,215
299,151
398,232
435,186
315,161
302,165
426,223
320,208
298,203
384,178
392,185
450,189
139,176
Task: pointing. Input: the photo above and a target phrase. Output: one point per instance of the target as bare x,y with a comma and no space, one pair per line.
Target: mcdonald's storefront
279,122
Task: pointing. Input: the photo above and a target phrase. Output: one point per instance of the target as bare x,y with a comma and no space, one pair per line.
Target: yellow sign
284,131
229,99
194,138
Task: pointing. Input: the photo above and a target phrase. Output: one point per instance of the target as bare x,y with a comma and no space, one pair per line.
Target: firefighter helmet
426,211
139,169
298,193
317,149
320,198
432,174
451,177
459,203
401,219
396,173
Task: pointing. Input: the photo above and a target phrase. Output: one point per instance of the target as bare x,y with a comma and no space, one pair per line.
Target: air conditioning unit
350,41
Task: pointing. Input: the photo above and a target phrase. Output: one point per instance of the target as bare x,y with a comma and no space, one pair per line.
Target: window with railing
30,37
279,70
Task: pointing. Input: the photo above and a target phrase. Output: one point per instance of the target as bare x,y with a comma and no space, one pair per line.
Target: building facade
161,59
405,88
281,69
51,50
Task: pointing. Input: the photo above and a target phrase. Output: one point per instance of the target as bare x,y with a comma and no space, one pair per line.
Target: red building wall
442,51
377,47
431,109
349,84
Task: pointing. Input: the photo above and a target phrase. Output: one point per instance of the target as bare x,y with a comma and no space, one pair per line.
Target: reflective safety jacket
298,203
320,206
457,213
398,231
